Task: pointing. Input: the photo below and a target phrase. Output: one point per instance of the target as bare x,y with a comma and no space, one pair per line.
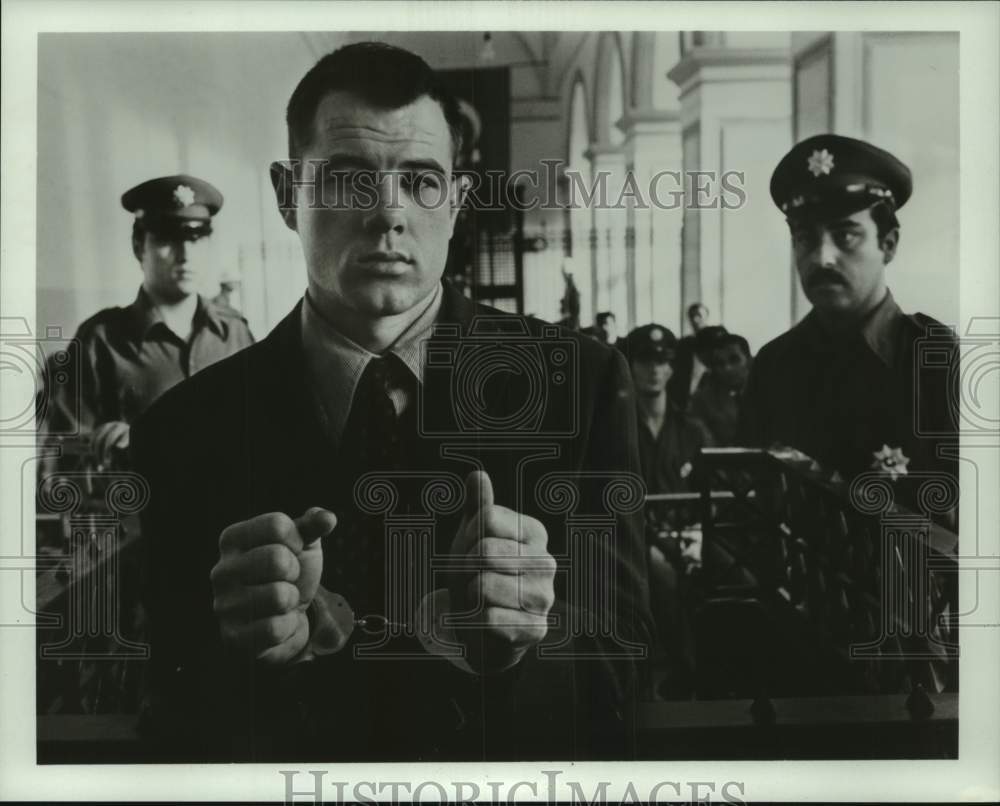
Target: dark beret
836,175
651,342
180,202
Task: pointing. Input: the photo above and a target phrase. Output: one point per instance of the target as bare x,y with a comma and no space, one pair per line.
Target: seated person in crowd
717,402
605,329
688,364
669,442
310,542
128,356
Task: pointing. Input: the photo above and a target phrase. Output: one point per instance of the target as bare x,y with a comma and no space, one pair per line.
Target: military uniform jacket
841,400
669,457
126,357
243,438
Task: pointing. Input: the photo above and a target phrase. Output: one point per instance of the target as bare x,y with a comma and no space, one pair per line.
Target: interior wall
910,107
899,91
117,109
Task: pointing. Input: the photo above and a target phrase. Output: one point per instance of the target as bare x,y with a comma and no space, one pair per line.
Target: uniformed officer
846,384
129,356
669,441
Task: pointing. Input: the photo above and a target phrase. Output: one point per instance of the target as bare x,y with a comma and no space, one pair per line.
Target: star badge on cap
656,334
820,162
891,462
183,195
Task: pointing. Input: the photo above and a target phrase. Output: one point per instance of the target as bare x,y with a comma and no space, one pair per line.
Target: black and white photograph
499,402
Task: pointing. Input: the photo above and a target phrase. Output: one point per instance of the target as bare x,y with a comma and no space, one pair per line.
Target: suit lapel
288,462
287,452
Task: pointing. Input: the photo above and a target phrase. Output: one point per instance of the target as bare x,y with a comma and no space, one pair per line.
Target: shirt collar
335,363
878,332
145,314
882,327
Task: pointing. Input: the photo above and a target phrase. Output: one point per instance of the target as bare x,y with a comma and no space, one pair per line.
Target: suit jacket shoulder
241,438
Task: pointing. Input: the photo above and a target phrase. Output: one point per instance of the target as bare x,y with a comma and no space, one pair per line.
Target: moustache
824,277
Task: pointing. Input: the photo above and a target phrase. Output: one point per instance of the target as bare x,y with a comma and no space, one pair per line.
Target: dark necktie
374,440
374,415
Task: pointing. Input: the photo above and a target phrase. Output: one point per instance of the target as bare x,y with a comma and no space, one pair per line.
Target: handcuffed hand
514,590
268,573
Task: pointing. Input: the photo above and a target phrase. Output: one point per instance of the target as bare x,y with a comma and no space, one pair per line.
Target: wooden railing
91,652
818,602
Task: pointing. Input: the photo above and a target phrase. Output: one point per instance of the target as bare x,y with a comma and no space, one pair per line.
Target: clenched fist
513,591
267,574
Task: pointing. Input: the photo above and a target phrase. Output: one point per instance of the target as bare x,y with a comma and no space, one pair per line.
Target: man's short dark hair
883,213
138,238
603,317
382,75
733,338
697,306
709,337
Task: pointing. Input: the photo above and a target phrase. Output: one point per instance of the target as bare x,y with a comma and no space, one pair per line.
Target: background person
845,385
267,573
688,365
669,443
129,356
718,400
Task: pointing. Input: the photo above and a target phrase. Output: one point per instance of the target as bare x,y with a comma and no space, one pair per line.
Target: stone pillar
654,155
736,117
611,280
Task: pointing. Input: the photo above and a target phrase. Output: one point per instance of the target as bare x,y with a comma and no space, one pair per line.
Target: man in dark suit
321,585
130,355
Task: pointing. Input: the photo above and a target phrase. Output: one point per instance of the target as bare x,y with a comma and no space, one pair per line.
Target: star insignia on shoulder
890,462
183,195
820,162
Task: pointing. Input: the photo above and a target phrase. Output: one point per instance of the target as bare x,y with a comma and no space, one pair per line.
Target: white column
736,107
611,286
653,146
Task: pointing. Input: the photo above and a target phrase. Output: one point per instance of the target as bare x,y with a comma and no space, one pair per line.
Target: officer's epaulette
929,326
224,310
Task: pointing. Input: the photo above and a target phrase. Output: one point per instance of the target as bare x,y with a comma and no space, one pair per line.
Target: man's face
650,376
730,365
841,262
697,318
170,266
383,250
